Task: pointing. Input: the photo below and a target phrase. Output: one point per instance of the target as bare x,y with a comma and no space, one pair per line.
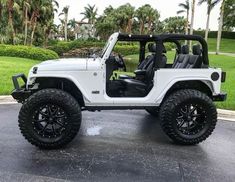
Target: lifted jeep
180,93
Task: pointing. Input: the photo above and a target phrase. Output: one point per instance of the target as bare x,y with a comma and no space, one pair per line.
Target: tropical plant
124,16
65,12
229,13
146,16
185,9
174,24
106,24
210,5
73,24
90,14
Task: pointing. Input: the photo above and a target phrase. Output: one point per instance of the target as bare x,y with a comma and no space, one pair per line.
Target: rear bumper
220,97
20,93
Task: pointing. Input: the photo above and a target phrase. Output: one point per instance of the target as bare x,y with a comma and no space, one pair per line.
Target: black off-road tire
53,97
172,116
153,111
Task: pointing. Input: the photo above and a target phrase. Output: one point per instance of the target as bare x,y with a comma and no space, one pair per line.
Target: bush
127,50
62,47
27,52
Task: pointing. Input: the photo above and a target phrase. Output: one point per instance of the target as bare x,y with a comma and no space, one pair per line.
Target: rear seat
185,60
182,59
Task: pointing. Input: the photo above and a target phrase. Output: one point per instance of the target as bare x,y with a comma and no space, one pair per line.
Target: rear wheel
50,118
188,116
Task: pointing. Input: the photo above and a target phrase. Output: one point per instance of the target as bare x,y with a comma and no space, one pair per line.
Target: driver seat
141,87
145,63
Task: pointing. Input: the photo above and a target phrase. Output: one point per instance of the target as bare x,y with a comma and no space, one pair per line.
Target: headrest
152,47
197,50
185,49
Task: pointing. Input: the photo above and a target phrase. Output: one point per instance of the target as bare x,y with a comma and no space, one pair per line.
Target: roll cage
163,38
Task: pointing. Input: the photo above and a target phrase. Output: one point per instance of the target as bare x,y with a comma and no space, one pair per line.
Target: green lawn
10,66
227,45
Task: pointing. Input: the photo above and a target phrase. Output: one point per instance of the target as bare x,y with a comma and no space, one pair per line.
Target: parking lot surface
116,146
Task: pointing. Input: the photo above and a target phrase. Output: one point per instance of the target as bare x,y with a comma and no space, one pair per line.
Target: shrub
27,52
62,47
127,49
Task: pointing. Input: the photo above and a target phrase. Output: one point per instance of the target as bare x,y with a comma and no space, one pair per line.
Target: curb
223,114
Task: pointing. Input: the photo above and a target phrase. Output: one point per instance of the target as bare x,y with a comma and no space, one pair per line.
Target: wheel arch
203,86
61,83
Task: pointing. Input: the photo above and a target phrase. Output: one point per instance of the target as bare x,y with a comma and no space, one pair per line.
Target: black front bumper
220,97
20,93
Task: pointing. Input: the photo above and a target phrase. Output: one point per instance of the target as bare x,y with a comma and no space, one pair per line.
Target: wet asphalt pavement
116,146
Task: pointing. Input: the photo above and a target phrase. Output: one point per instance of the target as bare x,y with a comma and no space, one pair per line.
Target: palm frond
214,3
180,11
200,2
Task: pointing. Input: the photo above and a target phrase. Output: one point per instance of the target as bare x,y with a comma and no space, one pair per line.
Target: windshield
106,46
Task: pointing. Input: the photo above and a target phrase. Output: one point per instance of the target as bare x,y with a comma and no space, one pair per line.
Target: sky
167,8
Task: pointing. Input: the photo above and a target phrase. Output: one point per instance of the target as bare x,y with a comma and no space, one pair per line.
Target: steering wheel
120,61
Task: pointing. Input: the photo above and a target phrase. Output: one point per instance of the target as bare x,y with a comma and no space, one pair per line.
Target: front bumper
220,97
20,93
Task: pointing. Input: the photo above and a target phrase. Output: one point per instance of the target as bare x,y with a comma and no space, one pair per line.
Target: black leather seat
182,58
185,60
143,82
195,60
147,64
144,64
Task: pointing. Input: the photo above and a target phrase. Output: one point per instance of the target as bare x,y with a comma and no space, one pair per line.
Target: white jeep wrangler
181,93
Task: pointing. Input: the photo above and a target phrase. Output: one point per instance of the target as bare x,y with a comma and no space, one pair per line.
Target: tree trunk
186,25
221,19
207,25
149,26
1,8
10,18
26,26
187,22
141,27
192,20
66,27
33,31
129,26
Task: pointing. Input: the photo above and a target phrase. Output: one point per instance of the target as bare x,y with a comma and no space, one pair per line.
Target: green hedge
213,34
27,52
124,48
62,47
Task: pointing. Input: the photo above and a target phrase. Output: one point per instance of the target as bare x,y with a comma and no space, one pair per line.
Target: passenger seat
181,60
189,61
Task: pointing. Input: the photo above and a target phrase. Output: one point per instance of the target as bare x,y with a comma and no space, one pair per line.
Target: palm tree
26,5
39,8
73,24
2,4
146,15
186,8
90,14
65,12
11,7
221,19
210,5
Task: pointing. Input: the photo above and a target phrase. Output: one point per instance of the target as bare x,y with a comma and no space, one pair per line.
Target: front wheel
50,118
188,116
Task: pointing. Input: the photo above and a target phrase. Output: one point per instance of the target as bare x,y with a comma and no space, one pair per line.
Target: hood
68,64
